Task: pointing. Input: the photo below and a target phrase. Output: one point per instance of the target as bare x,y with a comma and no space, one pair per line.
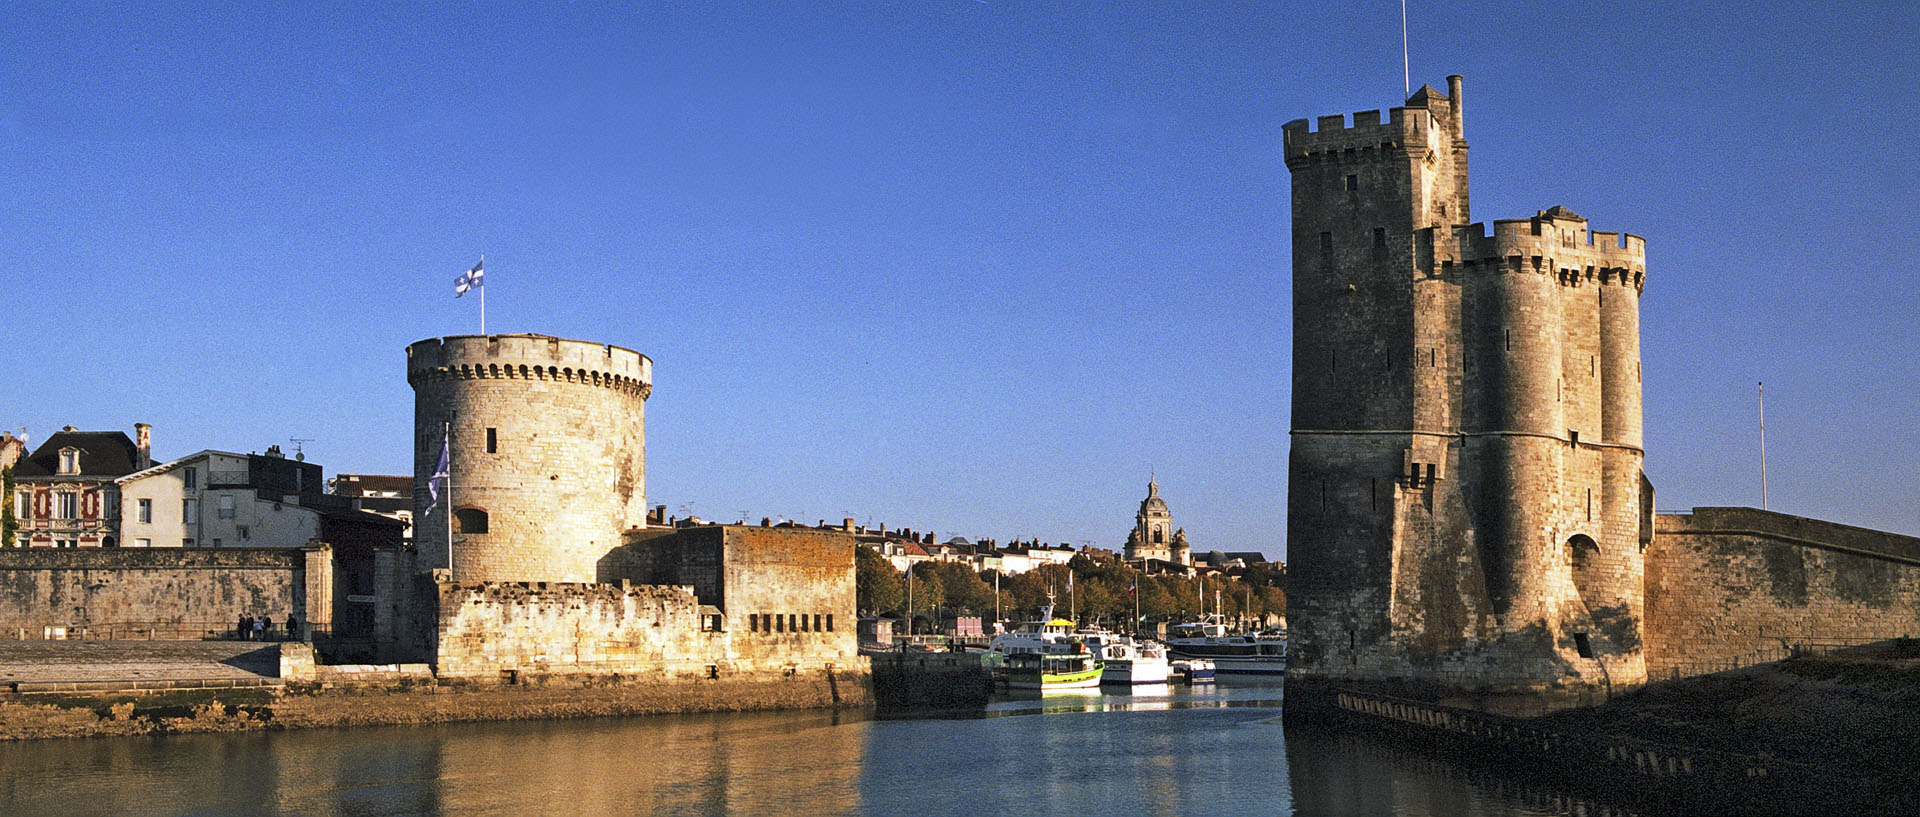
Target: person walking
259,629
266,627
293,629
246,628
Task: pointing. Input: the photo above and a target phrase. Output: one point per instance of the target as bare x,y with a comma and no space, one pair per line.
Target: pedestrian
266,626
242,628
259,629
293,629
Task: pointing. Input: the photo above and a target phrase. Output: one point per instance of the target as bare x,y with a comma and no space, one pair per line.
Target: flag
438,482
1069,581
468,280
1133,589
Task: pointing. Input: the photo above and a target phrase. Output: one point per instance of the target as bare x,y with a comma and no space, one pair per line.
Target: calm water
1166,751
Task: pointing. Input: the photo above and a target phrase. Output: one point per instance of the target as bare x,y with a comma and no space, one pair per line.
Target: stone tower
547,450
1153,534
1465,507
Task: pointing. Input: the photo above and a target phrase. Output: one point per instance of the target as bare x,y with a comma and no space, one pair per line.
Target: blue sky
970,267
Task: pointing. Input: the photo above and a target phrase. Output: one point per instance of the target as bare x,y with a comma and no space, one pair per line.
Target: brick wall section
1723,583
568,473
180,593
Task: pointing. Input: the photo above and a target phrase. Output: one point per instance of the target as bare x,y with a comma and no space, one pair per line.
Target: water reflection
1152,751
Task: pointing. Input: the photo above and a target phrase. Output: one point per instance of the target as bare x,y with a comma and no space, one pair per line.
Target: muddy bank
303,706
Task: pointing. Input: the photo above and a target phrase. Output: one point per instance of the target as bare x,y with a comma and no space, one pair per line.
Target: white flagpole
446,439
1406,74
1763,445
483,330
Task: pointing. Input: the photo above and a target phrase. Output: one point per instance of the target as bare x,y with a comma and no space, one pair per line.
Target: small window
1581,644
1379,236
1573,437
1326,242
66,506
1353,182
217,542
493,442
803,622
143,543
816,622
793,624
69,461
23,506
779,623
109,542
244,531
190,511
187,542
146,511
829,622
753,622
470,520
190,477
226,506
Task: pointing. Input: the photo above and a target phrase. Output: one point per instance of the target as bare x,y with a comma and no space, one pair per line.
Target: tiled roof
105,454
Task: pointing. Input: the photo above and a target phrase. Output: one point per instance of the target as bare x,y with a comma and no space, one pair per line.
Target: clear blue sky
970,267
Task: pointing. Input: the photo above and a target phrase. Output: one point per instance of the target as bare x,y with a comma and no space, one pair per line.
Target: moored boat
1192,670
1235,653
1050,671
1128,661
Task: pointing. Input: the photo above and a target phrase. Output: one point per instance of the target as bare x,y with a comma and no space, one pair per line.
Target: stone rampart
159,593
502,630
1724,584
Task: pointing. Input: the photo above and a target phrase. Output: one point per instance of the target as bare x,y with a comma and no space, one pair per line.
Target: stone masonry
1466,506
547,441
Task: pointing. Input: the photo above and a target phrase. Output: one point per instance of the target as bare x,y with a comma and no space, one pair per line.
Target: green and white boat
1053,670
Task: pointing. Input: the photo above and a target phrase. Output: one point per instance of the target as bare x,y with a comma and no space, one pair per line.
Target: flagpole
483,330
446,431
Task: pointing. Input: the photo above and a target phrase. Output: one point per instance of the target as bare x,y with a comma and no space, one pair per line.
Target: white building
220,499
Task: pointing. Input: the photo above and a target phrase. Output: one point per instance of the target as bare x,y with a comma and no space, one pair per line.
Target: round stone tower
547,452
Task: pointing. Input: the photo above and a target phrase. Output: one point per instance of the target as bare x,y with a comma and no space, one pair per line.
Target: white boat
1231,653
1047,636
1192,670
1128,661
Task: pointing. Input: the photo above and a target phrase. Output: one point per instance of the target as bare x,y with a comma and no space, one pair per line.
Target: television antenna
298,453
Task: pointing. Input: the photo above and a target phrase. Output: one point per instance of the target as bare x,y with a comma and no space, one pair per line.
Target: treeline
1102,593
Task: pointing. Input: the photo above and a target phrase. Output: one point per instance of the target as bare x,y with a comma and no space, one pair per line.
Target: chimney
143,444
766,522
847,524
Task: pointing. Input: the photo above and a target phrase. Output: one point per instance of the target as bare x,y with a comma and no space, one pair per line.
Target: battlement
1428,121
1551,241
529,357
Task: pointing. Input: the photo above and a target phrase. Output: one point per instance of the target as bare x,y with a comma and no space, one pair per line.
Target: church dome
1153,503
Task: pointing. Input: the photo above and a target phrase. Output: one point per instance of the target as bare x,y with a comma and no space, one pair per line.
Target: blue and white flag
437,483
468,280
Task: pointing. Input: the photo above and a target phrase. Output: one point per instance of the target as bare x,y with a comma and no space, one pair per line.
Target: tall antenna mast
1763,445
1406,74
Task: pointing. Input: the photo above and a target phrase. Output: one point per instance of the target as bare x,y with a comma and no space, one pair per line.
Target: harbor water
1154,751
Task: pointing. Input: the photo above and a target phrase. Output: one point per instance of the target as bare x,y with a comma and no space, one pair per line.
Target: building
221,499
1153,538
389,495
1465,501
64,492
546,445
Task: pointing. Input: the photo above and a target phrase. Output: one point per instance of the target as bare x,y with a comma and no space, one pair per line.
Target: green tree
877,586
8,525
964,589
926,592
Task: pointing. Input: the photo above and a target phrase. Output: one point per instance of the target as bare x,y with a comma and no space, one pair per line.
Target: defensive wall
710,601
160,593
1727,584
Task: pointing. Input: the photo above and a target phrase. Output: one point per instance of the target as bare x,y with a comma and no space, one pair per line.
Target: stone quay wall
162,594
1728,586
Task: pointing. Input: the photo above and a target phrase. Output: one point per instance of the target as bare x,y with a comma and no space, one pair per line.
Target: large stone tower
548,453
1466,507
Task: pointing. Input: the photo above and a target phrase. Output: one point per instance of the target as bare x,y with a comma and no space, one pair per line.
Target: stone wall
1726,583
160,593
490,630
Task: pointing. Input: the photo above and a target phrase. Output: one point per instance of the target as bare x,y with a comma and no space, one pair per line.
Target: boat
1048,635
1192,670
1128,661
1050,671
1231,653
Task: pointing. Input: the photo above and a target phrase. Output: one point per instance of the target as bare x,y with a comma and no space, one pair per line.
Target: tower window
1353,182
470,520
1582,645
1326,242
1379,236
493,442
